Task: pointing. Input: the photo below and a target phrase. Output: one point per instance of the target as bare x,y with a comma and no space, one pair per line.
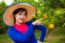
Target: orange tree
53,12
3,27
55,9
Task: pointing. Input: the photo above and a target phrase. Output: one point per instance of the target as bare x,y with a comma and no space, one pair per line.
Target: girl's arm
18,36
43,31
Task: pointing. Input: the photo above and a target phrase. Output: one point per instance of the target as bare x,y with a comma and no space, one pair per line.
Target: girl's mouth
21,19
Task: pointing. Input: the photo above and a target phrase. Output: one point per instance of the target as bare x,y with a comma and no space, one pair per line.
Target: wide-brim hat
8,14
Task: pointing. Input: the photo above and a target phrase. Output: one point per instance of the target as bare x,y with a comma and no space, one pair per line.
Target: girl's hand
39,41
37,22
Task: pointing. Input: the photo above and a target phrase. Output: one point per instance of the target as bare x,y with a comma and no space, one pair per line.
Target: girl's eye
25,14
20,13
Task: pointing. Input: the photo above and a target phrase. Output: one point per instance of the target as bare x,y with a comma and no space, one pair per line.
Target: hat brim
8,14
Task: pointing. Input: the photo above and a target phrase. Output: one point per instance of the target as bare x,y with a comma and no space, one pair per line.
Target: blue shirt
29,36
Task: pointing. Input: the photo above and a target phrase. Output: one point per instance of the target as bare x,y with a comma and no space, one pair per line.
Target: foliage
54,10
3,28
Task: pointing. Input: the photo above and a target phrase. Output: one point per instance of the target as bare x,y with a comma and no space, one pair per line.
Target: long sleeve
43,31
16,35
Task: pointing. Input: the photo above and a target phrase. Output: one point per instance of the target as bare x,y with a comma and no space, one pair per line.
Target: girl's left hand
39,41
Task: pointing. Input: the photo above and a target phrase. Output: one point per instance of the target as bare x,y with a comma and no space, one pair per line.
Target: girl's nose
22,16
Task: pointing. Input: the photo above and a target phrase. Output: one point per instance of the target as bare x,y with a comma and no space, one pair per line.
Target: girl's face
20,17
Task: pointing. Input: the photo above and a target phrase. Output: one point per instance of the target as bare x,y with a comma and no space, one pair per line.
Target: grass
5,39
51,38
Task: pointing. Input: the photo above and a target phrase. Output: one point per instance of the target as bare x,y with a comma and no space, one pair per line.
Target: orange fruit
45,16
51,26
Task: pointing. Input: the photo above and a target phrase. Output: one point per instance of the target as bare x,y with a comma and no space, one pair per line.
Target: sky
8,2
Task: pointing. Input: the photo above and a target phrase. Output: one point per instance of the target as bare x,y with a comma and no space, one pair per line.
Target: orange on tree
51,26
45,16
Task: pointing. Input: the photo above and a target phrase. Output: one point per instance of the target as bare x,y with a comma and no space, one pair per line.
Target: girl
19,17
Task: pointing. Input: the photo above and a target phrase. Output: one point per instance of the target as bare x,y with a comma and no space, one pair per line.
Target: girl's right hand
37,22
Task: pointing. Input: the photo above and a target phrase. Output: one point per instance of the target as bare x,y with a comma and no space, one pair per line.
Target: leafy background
53,12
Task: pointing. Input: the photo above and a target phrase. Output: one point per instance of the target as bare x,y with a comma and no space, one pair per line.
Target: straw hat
8,14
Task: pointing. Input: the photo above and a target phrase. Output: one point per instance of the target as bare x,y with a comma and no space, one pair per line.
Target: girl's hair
18,10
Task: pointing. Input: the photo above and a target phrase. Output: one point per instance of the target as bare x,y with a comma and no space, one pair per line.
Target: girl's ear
14,17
